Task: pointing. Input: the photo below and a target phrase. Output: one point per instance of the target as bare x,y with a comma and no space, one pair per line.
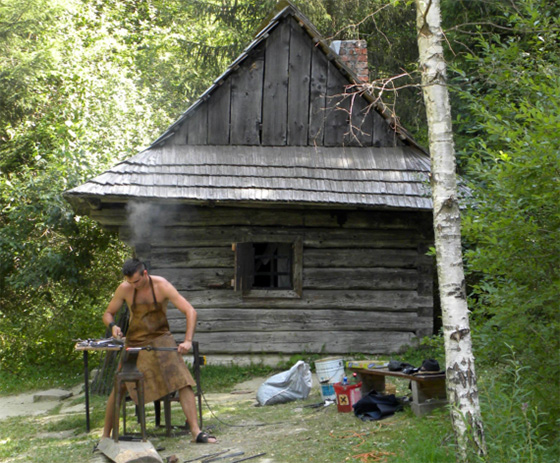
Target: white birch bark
462,389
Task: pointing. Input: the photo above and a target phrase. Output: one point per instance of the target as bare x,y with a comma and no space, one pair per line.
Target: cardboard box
367,364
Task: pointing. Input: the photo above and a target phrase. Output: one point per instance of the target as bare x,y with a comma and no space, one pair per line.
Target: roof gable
287,88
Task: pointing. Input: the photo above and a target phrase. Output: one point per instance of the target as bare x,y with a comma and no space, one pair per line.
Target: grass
40,377
291,432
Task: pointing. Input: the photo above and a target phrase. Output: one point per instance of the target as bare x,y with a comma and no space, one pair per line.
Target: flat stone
129,452
79,408
51,395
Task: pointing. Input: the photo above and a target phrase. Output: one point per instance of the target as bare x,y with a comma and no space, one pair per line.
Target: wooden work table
428,390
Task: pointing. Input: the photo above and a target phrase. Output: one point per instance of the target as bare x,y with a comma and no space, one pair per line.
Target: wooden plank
180,136
219,108
246,100
317,97
338,108
383,134
298,96
275,95
198,126
267,319
397,300
129,451
360,131
289,342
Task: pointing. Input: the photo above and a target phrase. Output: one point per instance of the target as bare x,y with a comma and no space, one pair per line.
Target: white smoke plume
143,220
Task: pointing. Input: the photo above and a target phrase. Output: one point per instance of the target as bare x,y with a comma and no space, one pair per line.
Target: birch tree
462,389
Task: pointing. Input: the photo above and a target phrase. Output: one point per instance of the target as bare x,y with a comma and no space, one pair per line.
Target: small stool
129,374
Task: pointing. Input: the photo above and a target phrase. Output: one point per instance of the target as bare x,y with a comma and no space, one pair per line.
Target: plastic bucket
347,395
329,371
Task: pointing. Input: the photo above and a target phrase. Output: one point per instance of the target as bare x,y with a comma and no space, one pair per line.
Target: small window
269,268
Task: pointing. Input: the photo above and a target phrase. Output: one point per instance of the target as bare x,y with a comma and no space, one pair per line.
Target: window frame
242,257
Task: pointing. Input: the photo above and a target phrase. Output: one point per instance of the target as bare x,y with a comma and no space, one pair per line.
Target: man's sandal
203,438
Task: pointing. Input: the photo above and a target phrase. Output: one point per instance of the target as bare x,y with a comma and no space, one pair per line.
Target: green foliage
510,86
516,430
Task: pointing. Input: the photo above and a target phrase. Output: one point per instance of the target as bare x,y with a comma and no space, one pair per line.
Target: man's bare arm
190,313
113,307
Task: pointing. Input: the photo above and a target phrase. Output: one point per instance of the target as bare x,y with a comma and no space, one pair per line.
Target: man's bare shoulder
157,280
124,289
162,284
160,281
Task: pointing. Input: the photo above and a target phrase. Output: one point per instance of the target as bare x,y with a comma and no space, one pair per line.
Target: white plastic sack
287,386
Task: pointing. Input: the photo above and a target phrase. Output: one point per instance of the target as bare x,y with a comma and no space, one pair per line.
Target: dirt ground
25,404
253,434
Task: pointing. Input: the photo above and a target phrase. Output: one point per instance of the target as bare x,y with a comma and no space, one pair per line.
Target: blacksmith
164,372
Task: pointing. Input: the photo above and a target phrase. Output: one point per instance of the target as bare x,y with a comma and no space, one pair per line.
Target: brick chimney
354,54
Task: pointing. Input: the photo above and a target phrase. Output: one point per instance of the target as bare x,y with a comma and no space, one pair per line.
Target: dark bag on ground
375,406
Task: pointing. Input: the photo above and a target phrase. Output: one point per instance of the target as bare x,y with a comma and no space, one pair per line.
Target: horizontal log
309,342
205,257
223,257
315,300
228,319
192,216
179,237
336,258
189,279
360,278
348,278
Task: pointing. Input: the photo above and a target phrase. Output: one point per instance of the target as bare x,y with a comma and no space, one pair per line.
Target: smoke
144,220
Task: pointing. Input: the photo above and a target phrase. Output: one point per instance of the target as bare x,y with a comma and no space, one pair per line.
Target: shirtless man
147,297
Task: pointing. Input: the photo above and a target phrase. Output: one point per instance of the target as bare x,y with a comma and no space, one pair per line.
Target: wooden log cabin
284,205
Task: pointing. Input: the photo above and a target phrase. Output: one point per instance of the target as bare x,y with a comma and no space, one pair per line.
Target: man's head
131,266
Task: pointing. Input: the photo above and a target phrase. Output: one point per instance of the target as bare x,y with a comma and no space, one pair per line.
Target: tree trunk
459,360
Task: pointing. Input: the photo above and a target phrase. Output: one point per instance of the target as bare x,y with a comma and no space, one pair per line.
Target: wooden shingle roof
274,129
346,177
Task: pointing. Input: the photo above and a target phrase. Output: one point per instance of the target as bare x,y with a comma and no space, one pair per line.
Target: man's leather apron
164,371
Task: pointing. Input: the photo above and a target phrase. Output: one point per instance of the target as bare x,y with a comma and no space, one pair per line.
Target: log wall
367,284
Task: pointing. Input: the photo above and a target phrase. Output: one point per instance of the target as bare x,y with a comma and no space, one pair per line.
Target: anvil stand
129,373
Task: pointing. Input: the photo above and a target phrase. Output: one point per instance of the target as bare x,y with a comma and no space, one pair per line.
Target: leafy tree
510,87
83,84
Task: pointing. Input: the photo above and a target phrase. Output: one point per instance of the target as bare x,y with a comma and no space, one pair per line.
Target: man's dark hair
131,266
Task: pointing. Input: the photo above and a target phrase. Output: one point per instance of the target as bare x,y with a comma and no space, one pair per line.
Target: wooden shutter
244,266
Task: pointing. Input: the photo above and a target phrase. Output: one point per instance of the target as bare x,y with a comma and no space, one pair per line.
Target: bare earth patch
286,433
